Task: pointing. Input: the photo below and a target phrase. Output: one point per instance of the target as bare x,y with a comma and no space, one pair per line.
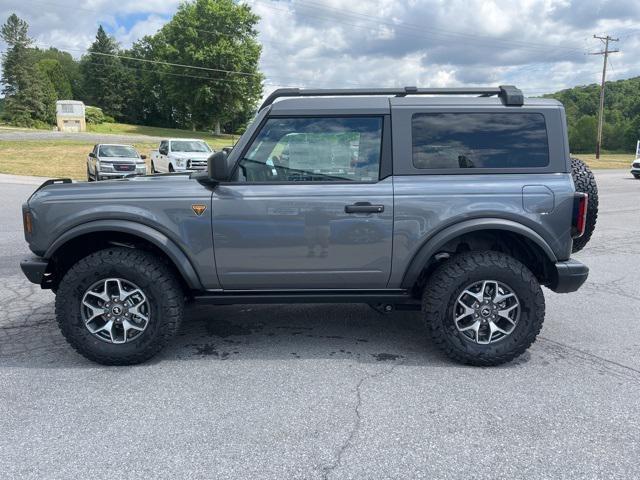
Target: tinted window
479,140
315,149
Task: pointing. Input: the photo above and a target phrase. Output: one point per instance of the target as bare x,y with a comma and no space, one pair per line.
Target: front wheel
636,175
483,308
119,306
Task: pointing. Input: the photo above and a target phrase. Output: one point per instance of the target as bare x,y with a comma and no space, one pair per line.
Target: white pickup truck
180,155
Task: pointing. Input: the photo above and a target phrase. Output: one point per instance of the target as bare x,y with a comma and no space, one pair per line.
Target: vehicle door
92,160
310,206
163,155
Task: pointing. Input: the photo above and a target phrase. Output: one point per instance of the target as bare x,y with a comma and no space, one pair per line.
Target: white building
70,116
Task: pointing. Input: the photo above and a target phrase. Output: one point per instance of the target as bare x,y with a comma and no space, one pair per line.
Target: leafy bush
94,115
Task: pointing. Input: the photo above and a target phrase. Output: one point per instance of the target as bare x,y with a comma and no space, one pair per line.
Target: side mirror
163,151
92,155
143,157
218,169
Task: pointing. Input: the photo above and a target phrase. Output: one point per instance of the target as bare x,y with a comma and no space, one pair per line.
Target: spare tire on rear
585,182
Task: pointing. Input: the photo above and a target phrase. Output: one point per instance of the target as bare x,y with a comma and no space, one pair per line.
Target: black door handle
363,207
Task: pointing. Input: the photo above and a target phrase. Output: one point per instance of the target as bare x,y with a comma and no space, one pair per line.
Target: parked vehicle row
108,161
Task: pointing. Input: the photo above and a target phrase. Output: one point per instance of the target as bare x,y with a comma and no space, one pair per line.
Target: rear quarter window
479,140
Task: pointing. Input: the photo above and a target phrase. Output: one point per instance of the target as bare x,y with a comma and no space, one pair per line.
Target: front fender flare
160,240
431,246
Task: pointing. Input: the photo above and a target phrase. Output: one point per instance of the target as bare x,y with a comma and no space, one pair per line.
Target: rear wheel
483,308
636,175
119,306
585,182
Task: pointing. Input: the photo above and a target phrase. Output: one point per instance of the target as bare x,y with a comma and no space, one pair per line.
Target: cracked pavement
335,392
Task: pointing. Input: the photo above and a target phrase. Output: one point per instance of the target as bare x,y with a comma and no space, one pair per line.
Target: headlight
105,167
180,163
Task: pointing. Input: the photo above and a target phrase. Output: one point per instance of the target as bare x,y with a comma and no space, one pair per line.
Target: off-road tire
585,182
447,282
147,271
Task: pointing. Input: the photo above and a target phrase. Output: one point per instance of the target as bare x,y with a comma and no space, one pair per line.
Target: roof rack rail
509,94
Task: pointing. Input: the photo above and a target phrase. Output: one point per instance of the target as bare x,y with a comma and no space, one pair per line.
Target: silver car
108,161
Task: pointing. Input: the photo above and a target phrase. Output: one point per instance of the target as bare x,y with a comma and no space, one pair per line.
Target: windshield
117,151
189,146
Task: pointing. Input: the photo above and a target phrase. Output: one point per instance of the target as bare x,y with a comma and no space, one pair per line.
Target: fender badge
198,209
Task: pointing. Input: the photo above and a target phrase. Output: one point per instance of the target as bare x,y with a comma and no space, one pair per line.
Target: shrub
94,115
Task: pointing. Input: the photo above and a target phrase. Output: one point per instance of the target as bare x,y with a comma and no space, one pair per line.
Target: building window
67,108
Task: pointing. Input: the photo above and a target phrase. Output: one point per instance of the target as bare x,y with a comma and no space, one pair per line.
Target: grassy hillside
621,128
123,128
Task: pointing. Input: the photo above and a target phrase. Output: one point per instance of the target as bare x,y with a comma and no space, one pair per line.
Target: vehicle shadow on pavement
355,333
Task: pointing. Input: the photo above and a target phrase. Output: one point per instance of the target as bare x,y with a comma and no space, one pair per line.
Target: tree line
621,128
149,83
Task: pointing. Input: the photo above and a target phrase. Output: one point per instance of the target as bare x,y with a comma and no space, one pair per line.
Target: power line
605,53
126,57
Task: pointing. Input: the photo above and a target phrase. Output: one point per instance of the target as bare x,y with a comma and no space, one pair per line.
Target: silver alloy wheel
486,311
115,310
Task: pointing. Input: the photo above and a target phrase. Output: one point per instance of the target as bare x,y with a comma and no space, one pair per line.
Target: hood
157,185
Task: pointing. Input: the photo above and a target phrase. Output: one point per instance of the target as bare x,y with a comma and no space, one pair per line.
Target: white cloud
540,45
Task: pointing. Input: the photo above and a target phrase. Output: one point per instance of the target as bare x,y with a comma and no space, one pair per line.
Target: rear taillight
579,223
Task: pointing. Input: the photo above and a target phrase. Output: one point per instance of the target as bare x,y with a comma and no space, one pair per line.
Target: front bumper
34,268
569,276
115,175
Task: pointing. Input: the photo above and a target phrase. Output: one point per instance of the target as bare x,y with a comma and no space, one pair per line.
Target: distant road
13,134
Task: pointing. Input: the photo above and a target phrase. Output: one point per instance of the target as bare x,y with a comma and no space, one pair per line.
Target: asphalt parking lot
325,391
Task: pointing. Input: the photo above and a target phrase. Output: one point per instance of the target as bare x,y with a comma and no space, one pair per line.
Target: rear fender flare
431,246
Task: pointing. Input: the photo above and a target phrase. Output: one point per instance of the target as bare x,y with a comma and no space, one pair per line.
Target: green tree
582,136
103,76
29,95
622,101
213,34
57,76
69,65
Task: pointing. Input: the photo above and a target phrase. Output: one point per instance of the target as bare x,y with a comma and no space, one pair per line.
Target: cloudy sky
539,45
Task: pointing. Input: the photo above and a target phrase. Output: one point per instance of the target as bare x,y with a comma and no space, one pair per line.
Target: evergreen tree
29,95
104,78
57,76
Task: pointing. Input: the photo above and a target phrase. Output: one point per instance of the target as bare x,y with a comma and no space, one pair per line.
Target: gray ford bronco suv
460,203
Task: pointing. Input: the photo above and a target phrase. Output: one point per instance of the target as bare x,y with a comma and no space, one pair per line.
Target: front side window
321,149
479,140
189,146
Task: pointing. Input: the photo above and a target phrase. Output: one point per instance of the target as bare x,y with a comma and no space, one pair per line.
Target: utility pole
606,53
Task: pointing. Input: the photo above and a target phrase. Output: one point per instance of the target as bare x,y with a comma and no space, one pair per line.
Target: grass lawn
607,160
66,158
53,159
216,141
